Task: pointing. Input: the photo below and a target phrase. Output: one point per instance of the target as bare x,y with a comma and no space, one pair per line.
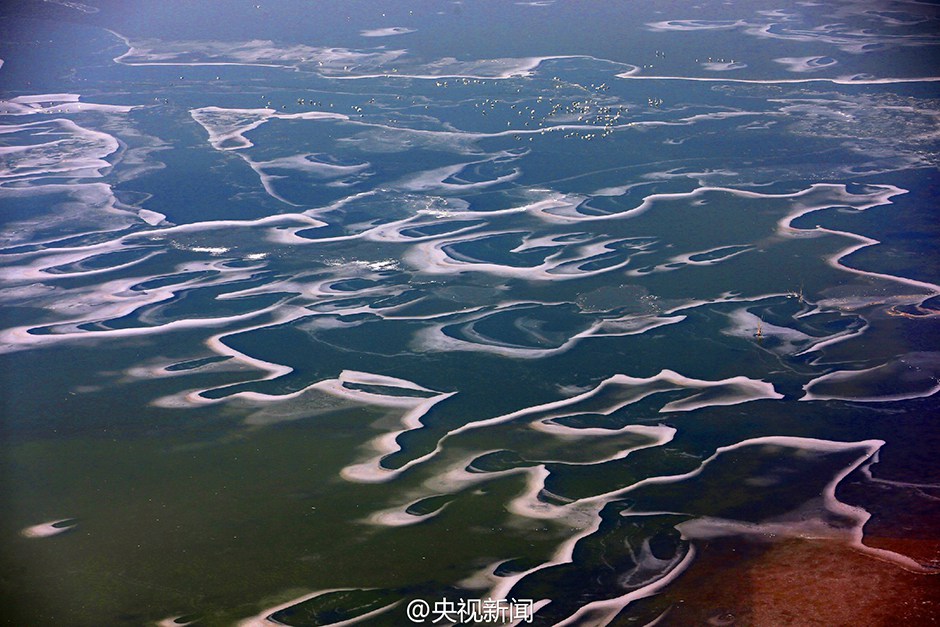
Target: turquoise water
315,310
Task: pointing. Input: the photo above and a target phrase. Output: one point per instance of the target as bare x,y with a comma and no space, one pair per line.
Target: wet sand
799,582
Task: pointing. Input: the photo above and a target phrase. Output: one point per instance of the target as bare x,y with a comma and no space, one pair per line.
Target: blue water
313,310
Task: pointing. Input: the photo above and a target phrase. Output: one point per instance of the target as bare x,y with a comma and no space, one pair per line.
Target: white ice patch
914,375
56,147
387,32
47,529
723,66
263,618
153,218
806,64
55,104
